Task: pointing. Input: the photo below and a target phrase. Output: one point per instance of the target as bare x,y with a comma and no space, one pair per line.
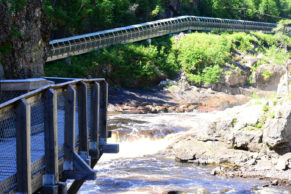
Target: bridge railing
77,45
54,133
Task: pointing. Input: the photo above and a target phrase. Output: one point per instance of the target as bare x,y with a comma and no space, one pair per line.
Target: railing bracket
82,171
110,148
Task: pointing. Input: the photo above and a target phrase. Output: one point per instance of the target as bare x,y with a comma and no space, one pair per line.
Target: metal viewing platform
52,134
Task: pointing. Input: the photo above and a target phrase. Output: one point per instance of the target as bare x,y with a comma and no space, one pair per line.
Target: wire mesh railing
27,125
7,148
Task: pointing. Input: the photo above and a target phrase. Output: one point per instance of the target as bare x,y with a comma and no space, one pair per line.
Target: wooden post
103,146
95,121
83,120
103,112
62,188
23,131
69,140
51,176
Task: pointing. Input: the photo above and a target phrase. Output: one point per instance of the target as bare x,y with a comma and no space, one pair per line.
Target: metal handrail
76,45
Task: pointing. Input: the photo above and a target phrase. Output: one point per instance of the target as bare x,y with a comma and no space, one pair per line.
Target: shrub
130,65
200,56
266,74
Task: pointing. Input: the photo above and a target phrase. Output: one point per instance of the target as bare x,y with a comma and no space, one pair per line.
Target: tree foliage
71,17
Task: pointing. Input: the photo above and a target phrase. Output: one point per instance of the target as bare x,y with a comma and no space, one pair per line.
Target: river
141,168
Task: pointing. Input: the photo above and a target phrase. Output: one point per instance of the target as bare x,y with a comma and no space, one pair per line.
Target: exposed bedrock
24,36
250,140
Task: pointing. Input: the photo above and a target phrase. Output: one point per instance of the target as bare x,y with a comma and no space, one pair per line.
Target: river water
140,168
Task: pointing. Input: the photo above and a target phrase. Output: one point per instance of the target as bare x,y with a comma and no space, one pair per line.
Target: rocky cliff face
24,36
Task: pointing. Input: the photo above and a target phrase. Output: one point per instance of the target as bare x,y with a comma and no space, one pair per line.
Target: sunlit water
139,168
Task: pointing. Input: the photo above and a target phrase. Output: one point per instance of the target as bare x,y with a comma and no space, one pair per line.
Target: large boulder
238,127
284,162
210,152
277,132
234,77
247,140
267,77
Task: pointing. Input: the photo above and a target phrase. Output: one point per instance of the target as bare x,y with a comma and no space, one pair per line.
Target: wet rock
176,192
161,109
202,191
181,108
134,103
171,109
186,150
111,108
140,108
248,140
216,171
118,108
153,110
284,162
275,182
266,189
144,103
191,108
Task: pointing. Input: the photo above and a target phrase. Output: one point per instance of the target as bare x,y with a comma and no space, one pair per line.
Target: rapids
141,168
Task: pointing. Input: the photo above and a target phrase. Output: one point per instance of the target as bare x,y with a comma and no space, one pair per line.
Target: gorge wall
24,36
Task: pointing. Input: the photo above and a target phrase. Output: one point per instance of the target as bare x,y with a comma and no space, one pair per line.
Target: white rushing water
139,168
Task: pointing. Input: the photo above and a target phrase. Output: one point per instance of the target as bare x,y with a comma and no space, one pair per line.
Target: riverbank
171,100
240,135
177,96
146,155
252,140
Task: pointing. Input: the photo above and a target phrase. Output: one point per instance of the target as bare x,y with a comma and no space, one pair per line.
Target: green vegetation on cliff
200,56
71,17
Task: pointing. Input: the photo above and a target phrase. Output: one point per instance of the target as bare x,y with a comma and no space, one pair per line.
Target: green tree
268,10
284,8
68,16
